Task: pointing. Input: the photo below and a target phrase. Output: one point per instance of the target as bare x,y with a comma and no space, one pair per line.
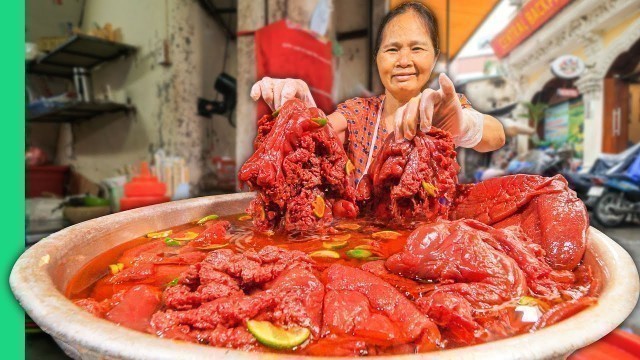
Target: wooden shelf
76,111
81,51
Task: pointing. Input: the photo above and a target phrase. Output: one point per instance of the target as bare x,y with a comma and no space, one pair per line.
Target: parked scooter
616,195
581,181
547,162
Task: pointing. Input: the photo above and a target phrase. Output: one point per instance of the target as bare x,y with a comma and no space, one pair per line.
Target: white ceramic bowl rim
32,285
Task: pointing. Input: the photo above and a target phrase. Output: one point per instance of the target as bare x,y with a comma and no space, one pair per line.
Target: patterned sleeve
466,104
346,110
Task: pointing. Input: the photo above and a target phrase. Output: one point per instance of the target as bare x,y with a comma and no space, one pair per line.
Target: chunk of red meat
361,304
472,275
454,254
541,279
138,272
410,288
298,160
215,232
136,308
95,308
414,179
265,124
545,208
214,299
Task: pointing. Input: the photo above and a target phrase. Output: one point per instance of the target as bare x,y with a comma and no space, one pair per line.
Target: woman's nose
404,58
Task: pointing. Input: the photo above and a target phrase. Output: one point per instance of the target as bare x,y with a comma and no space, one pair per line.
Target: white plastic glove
441,108
276,92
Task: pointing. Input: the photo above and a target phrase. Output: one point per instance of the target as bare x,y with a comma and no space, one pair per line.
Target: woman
406,53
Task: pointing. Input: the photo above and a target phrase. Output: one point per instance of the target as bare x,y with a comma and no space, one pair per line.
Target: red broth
93,280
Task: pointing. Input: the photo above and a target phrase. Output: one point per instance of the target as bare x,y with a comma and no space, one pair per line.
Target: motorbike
582,181
616,194
548,162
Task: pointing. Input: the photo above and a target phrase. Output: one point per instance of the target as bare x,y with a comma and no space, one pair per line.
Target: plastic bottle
143,190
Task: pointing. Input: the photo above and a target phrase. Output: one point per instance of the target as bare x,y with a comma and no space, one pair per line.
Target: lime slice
359,253
244,217
318,206
171,242
325,254
208,218
341,237
349,168
348,226
320,121
159,234
334,245
386,235
275,337
189,235
364,247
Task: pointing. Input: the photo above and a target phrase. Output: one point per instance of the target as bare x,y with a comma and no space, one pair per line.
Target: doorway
621,120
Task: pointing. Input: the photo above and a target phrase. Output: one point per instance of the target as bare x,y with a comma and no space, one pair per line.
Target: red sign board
532,16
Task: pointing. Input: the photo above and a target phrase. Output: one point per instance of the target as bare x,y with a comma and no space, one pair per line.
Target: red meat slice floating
545,208
477,270
359,303
299,171
415,179
215,298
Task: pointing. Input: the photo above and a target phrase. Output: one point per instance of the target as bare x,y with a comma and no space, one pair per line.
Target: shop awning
465,16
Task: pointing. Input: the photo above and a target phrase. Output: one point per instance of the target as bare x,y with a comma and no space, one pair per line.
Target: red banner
531,17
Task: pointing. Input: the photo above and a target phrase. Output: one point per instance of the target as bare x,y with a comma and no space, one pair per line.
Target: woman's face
406,56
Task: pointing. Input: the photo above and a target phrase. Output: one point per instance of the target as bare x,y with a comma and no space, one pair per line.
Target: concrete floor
41,346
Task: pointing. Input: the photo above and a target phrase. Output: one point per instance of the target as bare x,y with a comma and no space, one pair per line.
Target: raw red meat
545,208
136,307
360,304
415,179
471,274
298,163
214,299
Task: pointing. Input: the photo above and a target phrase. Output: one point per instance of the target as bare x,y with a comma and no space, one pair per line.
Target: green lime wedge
207,218
359,253
334,245
320,121
275,337
329,254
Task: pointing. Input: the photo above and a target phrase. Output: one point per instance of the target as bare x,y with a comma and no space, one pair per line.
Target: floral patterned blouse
361,115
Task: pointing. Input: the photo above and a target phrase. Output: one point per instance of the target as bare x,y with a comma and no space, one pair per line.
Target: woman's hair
425,15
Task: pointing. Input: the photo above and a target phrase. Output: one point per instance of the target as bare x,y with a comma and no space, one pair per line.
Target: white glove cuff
474,124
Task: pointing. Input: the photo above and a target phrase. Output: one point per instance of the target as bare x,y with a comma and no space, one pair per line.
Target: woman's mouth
404,76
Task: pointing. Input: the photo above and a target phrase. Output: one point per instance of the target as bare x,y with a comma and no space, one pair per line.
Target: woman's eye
392,50
417,49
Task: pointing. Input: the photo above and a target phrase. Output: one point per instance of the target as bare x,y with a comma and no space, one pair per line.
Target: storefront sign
567,67
556,123
532,16
564,123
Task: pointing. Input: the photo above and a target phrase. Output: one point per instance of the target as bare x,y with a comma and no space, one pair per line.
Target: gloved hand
441,108
276,92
